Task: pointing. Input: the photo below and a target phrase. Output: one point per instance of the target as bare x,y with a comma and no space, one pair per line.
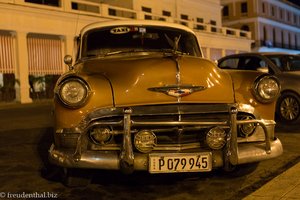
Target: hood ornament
177,90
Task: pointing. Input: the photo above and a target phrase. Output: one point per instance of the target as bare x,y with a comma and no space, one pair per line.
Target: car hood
146,80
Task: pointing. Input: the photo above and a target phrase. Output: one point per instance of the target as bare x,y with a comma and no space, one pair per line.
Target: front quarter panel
100,95
243,82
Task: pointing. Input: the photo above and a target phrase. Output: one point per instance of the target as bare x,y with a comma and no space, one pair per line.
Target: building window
225,11
166,13
273,11
7,54
265,33
213,28
263,7
85,7
147,10
215,53
288,16
244,7
7,66
213,22
295,19
45,54
184,17
245,28
274,37
281,14
200,20
55,3
44,64
112,12
282,39
290,40
199,26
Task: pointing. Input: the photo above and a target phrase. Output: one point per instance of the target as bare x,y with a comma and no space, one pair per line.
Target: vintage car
140,96
286,67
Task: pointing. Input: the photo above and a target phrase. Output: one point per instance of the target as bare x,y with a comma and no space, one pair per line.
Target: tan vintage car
140,96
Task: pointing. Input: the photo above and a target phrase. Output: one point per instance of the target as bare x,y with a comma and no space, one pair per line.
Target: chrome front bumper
234,153
247,153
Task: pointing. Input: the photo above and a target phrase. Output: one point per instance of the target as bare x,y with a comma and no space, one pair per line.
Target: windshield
115,40
286,62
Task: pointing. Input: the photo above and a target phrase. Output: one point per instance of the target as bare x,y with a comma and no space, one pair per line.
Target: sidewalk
17,105
284,186
16,116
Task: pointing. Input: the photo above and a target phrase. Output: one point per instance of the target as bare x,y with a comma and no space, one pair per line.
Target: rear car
140,96
286,67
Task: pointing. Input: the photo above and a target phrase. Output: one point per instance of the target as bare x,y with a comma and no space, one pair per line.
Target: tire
76,177
288,108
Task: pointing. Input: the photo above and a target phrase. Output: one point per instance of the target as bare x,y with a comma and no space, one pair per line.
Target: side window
277,62
294,63
231,63
252,63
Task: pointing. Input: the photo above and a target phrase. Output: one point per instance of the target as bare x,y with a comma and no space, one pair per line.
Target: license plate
180,162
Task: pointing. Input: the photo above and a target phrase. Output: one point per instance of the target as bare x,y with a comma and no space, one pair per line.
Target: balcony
112,12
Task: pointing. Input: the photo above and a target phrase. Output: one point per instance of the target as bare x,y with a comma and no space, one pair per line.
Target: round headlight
216,138
266,89
100,135
145,141
73,92
247,129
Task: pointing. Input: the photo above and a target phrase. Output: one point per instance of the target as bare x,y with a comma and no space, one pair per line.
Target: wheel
76,177
288,107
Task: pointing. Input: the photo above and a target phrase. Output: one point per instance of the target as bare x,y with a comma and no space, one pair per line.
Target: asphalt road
24,168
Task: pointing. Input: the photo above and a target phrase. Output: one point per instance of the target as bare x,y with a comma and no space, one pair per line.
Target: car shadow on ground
287,128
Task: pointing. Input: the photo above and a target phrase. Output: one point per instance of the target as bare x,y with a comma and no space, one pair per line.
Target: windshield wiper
88,56
166,53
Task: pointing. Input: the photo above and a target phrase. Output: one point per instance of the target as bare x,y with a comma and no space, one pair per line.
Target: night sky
297,2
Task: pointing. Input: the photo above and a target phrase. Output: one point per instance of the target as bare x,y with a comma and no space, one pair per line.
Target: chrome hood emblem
177,90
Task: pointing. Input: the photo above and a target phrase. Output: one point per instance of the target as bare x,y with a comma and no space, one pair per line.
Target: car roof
262,54
102,24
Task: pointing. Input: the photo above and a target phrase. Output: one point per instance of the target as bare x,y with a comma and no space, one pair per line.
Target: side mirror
68,61
263,69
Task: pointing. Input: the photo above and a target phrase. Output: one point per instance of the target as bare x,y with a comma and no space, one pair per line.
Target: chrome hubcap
289,108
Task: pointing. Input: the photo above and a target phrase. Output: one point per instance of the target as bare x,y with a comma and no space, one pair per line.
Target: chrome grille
176,127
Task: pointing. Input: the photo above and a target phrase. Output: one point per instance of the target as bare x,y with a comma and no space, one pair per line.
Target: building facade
274,24
36,34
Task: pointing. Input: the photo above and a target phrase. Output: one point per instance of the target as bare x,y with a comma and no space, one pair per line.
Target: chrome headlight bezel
266,88
83,91
216,138
145,141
